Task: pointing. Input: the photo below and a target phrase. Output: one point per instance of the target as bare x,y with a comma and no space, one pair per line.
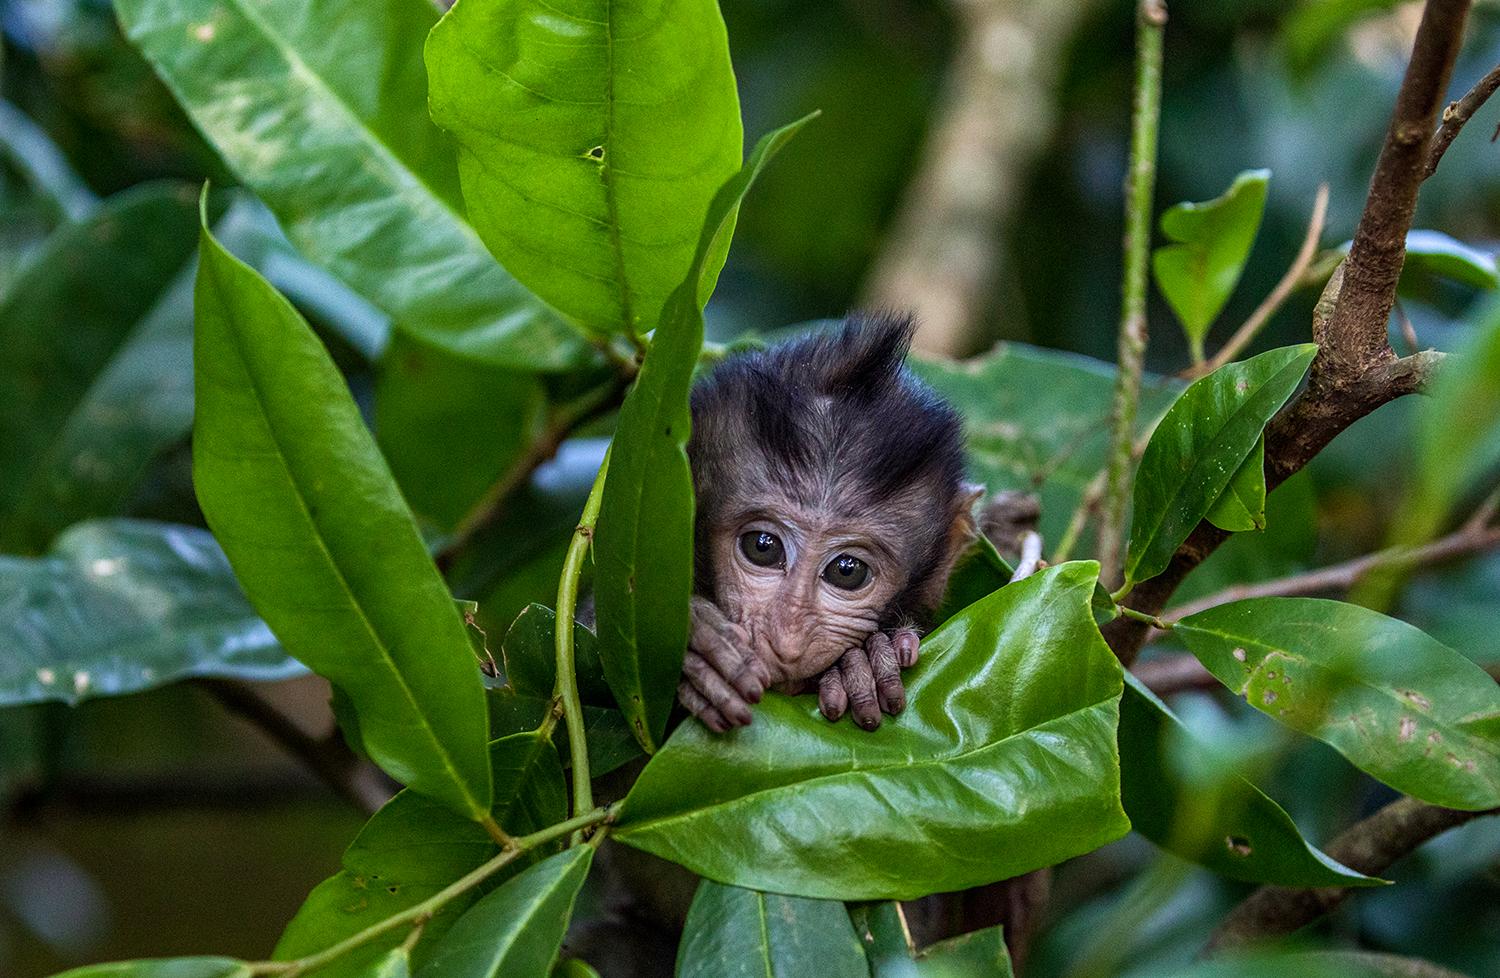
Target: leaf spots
1239,654
596,154
1416,698
1434,738
204,32
81,681
1408,730
46,676
1237,844
1269,696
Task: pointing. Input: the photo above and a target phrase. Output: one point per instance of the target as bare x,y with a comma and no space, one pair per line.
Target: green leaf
1435,252
1199,447
591,140
518,929
1229,826
295,490
574,968
1197,274
531,658
1038,421
165,968
1308,964
124,605
734,931
1242,504
643,543
63,321
611,742
1398,704
979,572
1004,761
412,848
882,929
330,129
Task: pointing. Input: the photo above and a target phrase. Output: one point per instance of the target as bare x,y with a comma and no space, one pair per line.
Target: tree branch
353,779
1455,115
941,257
1367,847
1356,370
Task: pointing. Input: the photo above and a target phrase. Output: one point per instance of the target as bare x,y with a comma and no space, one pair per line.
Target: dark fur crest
832,420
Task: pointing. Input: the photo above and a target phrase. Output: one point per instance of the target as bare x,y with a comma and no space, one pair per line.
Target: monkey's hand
721,675
867,681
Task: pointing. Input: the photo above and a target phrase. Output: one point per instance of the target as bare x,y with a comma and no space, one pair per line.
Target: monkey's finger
859,684
702,677
886,668
906,642
726,648
701,708
832,700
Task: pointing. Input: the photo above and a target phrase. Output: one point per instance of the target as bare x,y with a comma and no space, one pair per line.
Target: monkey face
807,583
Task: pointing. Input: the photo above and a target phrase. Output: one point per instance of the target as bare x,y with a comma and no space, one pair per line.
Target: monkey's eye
762,549
846,572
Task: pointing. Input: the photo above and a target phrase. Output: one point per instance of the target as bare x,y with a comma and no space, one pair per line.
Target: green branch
421,912
1151,19
566,691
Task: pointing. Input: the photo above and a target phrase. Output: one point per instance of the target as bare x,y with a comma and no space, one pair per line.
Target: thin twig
354,780
1151,20
1283,290
484,512
1470,538
1456,114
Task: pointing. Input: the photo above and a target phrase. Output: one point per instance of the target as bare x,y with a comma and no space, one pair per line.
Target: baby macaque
831,508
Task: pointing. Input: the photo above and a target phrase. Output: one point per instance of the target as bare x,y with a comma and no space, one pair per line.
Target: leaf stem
429,906
1151,620
1151,19
566,690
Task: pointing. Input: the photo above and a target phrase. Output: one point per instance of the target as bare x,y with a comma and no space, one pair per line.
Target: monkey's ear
962,531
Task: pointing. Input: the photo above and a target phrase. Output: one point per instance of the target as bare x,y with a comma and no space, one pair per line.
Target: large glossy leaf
69,314
330,128
1199,446
592,136
882,929
1004,761
1038,421
643,544
1197,273
295,490
732,932
141,402
1227,825
517,930
1397,703
165,968
123,605
413,847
